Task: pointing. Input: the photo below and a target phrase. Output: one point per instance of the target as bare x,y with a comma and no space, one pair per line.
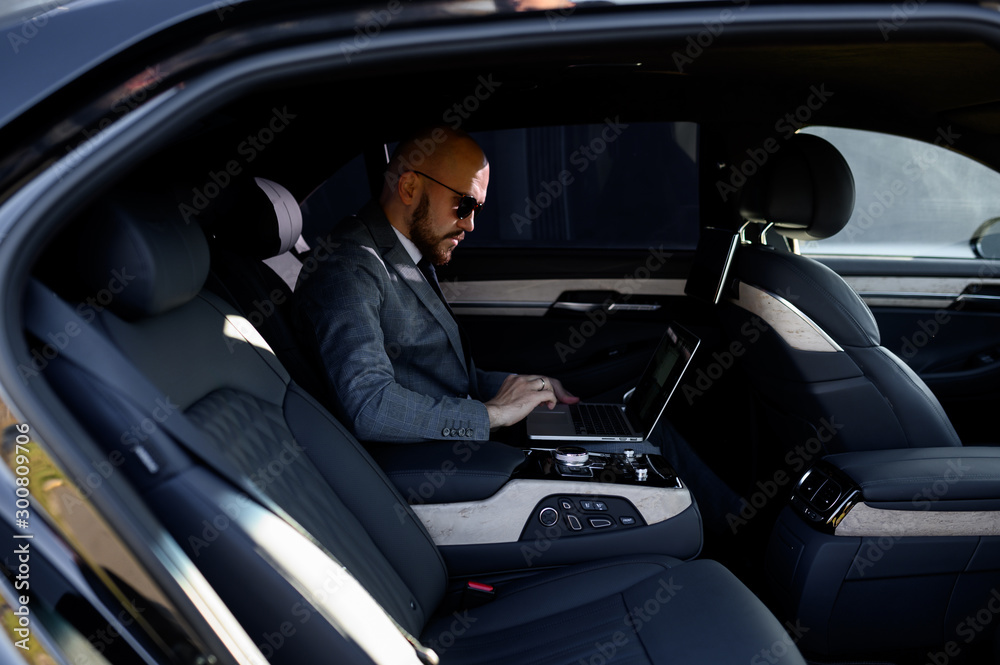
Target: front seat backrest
820,369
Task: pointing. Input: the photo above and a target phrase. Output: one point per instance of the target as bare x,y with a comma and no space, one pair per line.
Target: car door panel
594,330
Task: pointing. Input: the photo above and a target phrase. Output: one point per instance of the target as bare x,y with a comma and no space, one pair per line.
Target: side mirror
986,240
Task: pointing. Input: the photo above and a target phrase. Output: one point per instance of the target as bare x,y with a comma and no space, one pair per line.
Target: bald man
397,364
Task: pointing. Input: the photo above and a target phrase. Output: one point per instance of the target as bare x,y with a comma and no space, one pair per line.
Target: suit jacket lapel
398,259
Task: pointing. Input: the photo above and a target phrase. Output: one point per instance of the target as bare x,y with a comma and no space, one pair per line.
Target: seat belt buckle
476,594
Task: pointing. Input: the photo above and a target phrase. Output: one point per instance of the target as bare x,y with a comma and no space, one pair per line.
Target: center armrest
445,472
925,478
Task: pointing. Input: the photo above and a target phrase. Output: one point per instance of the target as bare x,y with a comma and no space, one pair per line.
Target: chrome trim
577,306
633,307
499,304
763,232
977,297
569,306
911,295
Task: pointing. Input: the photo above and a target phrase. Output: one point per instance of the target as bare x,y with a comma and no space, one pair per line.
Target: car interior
840,502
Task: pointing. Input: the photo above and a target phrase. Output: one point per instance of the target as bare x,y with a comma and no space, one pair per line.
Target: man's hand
520,393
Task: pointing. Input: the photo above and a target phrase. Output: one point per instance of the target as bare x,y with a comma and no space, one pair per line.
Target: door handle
613,307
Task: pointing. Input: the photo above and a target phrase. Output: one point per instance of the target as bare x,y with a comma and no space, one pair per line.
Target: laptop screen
661,378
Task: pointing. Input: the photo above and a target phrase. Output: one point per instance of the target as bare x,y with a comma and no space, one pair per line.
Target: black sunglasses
466,206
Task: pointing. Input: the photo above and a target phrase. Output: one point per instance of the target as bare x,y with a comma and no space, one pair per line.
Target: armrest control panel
824,495
573,514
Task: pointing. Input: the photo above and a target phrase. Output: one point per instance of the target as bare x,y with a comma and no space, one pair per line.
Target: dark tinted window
580,186
602,185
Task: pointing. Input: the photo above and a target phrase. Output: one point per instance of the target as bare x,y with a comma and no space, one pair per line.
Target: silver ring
543,384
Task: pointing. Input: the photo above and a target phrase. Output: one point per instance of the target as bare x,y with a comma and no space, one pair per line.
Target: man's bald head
445,152
429,179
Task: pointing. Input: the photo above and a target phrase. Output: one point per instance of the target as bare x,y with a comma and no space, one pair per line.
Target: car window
913,199
611,184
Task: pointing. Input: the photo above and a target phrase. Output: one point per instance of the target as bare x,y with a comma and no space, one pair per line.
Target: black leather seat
199,352
820,370
251,232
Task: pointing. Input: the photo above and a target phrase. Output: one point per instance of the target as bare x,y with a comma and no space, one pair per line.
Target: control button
565,504
600,505
599,522
548,516
810,484
573,522
627,521
828,495
588,505
641,474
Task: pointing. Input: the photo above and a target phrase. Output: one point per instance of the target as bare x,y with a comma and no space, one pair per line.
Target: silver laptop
631,421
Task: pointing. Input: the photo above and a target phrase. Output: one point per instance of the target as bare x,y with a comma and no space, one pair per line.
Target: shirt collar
408,245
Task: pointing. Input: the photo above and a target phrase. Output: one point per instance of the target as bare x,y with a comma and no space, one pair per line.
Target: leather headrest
136,256
806,190
262,219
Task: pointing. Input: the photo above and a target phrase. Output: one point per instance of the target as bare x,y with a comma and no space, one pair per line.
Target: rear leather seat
221,375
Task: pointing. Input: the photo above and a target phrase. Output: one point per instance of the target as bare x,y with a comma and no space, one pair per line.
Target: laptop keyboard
599,419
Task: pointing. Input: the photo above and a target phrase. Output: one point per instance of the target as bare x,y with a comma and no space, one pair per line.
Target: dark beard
423,236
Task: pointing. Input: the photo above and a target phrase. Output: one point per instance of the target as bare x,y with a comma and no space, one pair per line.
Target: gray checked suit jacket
392,351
